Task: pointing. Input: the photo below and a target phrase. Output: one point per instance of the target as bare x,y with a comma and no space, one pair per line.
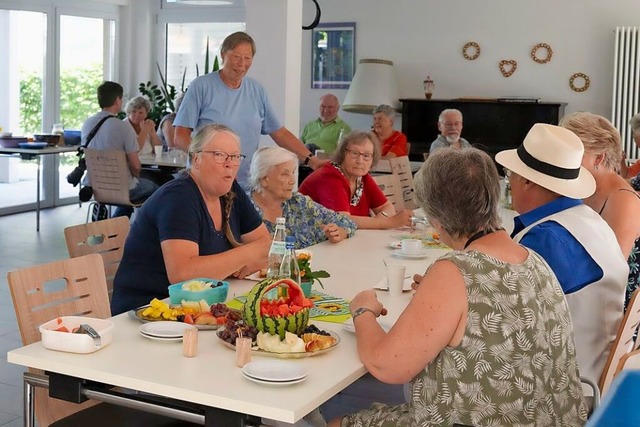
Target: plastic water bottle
289,268
340,136
277,250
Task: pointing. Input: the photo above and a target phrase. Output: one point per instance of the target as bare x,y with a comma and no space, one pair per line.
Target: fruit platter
198,313
276,318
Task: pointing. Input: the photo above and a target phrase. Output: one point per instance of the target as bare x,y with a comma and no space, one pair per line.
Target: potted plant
308,276
162,96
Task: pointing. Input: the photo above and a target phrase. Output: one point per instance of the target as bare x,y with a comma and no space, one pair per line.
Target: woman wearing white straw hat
548,183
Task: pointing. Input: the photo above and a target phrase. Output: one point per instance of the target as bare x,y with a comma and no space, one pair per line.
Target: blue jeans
139,194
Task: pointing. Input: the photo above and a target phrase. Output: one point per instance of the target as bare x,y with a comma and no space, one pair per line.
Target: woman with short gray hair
272,178
487,301
393,142
345,185
137,110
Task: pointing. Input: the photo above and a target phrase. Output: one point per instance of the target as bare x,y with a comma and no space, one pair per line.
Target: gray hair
137,103
264,160
387,110
447,111
206,133
461,190
235,39
357,137
635,124
598,135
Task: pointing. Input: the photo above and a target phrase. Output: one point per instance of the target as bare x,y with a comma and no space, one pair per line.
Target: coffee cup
411,246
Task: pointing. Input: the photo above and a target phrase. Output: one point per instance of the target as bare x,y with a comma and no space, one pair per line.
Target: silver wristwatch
361,310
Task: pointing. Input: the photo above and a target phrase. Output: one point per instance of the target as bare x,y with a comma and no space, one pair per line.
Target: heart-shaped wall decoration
508,67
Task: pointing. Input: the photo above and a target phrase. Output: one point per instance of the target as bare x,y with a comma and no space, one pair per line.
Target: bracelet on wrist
361,310
307,159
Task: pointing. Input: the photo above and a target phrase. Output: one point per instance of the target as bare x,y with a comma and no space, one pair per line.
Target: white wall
426,38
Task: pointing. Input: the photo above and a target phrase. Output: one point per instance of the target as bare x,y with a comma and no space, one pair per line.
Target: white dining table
211,380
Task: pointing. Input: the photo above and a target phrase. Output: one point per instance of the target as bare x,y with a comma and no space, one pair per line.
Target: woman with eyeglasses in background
201,224
344,185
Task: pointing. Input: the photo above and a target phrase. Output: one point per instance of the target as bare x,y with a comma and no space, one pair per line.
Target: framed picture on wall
333,55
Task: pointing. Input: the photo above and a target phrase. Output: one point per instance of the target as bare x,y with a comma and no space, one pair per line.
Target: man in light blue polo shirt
547,185
230,98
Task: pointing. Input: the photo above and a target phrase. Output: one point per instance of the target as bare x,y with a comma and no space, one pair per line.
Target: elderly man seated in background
450,127
323,133
272,177
547,185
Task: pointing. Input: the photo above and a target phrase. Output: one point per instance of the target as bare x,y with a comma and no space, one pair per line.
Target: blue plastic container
619,407
211,295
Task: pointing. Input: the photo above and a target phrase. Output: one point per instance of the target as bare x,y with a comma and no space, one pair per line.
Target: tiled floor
20,246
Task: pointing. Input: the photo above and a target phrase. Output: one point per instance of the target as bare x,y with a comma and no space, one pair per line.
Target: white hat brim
578,188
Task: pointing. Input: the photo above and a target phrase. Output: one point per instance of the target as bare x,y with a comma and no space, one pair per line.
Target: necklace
479,235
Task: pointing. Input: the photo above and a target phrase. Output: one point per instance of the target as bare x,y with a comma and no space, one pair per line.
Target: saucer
399,254
274,371
164,329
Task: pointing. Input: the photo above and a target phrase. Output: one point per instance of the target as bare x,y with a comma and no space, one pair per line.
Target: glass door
50,77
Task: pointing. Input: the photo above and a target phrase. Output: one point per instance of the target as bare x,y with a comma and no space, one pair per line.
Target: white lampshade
373,84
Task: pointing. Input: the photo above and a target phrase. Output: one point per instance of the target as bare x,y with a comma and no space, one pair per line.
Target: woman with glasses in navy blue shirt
199,225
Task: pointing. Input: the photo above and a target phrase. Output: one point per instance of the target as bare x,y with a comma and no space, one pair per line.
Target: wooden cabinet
488,124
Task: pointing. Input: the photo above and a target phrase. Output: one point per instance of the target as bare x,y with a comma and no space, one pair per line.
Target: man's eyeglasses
220,157
355,154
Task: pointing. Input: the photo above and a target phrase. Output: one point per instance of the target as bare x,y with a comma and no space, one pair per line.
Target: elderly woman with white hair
272,178
393,142
137,110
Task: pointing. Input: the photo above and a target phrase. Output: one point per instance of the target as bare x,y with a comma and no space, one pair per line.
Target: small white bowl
75,343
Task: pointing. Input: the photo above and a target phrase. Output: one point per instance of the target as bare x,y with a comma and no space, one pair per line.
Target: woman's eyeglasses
355,154
220,157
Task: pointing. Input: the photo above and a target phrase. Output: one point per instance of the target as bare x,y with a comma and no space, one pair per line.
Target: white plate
274,383
382,285
399,254
164,329
274,370
151,337
255,277
349,327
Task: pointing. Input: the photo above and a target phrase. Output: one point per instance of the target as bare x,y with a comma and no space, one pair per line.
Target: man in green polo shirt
323,133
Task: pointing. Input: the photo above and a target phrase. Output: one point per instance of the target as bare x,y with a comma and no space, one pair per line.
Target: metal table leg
38,196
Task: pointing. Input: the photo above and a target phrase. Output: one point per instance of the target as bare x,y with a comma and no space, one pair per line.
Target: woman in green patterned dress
487,338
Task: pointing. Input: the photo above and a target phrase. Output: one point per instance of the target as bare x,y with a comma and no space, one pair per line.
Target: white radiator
626,85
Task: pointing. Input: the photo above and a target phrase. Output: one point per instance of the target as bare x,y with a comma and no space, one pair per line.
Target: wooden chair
74,286
104,237
109,175
37,299
623,343
390,186
629,360
401,167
